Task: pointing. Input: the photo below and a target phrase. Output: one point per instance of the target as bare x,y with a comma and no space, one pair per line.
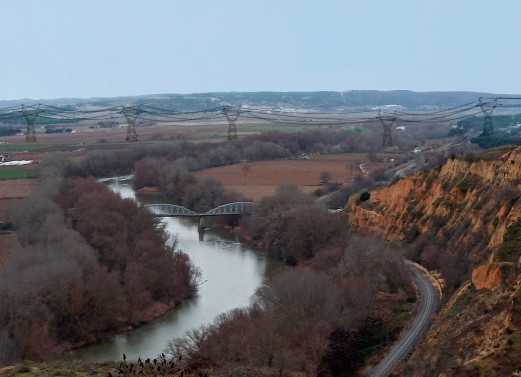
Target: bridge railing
237,208
169,210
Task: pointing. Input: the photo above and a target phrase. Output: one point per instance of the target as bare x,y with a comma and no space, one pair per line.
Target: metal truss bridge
172,210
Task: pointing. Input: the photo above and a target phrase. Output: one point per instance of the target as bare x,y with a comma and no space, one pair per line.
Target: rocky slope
463,220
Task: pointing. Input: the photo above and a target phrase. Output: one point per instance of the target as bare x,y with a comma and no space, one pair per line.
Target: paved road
427,306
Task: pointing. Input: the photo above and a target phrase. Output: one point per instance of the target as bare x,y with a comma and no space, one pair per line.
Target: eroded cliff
464,220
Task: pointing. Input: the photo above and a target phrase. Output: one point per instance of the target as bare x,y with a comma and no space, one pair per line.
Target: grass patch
8,173
462,301
29,147
469,182
402,314
509,249
59,369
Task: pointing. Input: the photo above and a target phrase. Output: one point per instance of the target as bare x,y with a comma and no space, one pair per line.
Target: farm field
14,173
198,132
16,189
8,242
259,179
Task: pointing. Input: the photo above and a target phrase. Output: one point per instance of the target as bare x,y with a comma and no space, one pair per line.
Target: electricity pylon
232,116
131,114
387,126
487,108
30,117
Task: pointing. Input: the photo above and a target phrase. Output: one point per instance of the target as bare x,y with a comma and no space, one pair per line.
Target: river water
231,273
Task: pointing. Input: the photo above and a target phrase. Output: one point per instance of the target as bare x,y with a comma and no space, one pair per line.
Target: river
231,273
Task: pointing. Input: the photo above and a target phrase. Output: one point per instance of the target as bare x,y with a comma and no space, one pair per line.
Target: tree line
323,315
322,318
179,185
197,156
89,264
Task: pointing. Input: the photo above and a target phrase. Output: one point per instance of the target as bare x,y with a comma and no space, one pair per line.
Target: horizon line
83,98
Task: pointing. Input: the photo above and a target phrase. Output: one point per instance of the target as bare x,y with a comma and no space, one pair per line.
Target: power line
161,115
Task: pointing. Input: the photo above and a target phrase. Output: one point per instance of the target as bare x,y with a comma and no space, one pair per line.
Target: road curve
427,306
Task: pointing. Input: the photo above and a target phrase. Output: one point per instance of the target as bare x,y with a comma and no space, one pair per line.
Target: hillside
463,220
318,100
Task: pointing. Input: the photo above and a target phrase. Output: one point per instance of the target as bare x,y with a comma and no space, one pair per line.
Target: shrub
365,196
510,249
469,182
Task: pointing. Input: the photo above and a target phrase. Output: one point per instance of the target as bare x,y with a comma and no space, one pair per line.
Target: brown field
259,179
5,206
16,189
8,242
84,135
214,131
208,131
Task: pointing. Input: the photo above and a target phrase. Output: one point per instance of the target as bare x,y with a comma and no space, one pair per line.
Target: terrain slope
463,220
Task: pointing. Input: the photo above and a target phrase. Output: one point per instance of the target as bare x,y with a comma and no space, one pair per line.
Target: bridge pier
200,228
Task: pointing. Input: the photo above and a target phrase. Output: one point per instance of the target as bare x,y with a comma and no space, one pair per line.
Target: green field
29,147
15,172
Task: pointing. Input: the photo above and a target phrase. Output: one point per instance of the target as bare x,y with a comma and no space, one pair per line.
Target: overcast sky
64,48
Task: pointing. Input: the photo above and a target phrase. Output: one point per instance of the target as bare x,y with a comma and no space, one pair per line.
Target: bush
265,151
76,284
365,196
289,225
510,249
469,182
312,320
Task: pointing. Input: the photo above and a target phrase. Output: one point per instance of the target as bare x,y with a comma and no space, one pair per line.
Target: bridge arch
236,208
173,210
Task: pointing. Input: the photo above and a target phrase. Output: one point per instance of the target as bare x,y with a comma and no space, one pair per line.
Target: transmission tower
232,116
131,114
30,117
387,126
487,108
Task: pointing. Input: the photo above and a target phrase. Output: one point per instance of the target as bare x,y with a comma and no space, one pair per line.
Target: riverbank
109,271
155,312
223,262
59,368
391,307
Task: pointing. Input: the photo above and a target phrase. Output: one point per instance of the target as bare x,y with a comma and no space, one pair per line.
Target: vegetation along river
231,273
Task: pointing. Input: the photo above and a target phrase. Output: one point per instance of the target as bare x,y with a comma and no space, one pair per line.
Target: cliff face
464,203
464,221
477,333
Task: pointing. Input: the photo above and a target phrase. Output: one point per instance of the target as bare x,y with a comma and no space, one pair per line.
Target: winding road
409,338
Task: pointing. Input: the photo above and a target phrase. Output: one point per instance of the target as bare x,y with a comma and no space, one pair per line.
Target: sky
103,48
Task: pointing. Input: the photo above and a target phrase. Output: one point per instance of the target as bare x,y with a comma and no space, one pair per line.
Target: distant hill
323,100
